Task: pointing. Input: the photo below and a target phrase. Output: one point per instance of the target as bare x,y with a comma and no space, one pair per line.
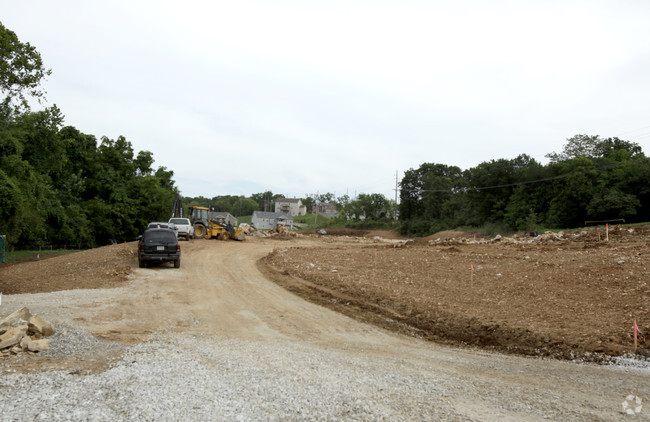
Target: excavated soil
574,295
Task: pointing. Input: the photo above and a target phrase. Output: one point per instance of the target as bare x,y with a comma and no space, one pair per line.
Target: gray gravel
175,377
181,378
70,340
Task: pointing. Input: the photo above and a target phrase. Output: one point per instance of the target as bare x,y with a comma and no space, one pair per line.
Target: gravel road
219,342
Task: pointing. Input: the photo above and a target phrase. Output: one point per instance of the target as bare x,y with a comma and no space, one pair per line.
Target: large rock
39,345
24,343
15,331
38,325
35,345
21,314
12,336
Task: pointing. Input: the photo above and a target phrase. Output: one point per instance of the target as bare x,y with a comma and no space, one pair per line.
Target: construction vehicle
177,211
207,225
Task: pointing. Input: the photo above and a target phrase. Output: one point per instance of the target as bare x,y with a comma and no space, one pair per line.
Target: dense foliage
21,72
233,204
591,180
58,186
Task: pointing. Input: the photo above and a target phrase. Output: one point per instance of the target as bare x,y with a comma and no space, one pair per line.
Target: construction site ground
374,302
573,295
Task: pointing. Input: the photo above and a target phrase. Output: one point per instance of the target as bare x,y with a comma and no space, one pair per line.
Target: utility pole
396,193
396,187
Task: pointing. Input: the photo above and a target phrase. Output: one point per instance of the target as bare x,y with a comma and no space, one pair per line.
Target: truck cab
183,227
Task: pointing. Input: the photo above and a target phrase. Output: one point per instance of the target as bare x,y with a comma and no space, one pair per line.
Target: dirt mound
385,234
104,267
449,234
338,232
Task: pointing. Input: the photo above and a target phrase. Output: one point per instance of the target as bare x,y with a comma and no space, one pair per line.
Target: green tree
425,190
325,198
57,186
592,146
571,194
247,206
369,207
21,73
198,201
342,201
490,185
308,201
264,200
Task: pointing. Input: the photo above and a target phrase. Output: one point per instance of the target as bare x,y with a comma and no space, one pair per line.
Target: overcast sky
299,97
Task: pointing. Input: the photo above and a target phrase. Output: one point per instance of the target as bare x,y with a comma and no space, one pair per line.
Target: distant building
291,206
269,220
328,209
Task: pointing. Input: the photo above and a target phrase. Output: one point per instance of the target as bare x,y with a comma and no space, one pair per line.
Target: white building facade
291,206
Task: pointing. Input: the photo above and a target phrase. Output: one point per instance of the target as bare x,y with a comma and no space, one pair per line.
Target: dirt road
219,293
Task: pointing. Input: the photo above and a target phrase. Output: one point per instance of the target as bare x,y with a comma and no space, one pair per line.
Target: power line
642,135
636,130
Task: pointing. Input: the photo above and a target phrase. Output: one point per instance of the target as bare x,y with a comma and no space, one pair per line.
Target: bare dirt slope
564,295
92,269
220,291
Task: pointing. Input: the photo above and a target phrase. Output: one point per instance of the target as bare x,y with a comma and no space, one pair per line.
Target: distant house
291,206
269,220
328,209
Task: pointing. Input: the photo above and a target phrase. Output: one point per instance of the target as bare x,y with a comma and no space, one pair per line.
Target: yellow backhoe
207,225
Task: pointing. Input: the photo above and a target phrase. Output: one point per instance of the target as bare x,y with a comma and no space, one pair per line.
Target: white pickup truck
183,227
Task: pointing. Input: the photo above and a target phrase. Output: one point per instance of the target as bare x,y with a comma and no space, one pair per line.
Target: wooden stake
636,345
471,273
607,232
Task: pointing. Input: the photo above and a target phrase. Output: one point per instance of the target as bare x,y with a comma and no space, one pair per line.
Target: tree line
364,210
61,187
593,180
58,186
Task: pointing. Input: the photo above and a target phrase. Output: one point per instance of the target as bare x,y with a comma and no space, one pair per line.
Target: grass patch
246,219
310,221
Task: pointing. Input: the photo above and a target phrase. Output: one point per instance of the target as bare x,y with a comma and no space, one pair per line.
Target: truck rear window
179,221
159,237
